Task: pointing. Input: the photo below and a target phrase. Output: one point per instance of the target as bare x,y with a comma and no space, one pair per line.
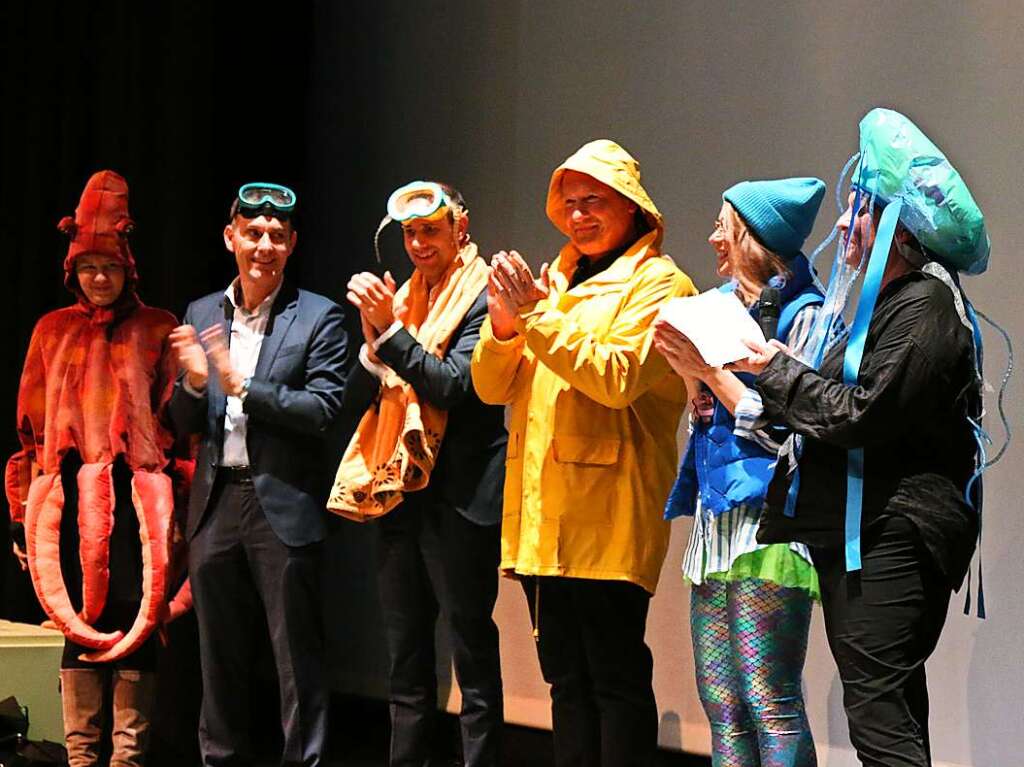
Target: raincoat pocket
586,450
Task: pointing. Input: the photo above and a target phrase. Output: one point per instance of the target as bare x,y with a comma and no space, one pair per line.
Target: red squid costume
96,381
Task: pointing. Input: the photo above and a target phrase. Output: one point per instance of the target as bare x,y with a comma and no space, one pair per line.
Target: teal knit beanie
780,213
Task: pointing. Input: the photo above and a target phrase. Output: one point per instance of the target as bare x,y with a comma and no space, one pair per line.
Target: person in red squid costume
91,493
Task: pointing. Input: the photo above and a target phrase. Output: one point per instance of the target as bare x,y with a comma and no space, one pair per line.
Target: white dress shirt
247,332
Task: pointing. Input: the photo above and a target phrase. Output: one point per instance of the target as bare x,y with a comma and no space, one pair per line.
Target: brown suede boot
134,692
82,703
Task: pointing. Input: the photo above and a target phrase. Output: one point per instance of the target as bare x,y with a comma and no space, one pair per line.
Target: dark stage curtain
187,100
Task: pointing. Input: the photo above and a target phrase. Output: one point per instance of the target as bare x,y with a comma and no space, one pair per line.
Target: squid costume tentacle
180,604
153,497
42,534
95,524
181,471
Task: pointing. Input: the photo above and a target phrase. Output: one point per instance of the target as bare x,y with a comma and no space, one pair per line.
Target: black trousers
590,641
431,557
882,624
241,572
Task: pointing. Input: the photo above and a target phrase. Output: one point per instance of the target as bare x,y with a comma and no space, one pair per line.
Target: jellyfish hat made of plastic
899,163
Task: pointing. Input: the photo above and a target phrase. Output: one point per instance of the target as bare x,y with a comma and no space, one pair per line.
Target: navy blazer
293,402
469,475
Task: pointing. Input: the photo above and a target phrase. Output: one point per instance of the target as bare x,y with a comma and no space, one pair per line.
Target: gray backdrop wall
492,96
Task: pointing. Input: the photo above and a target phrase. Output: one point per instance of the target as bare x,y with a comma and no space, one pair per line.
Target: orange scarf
396,443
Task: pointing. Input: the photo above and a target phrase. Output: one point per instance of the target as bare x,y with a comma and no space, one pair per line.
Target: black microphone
769,308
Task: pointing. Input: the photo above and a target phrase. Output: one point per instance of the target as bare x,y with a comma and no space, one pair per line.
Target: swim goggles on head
417,199
256,198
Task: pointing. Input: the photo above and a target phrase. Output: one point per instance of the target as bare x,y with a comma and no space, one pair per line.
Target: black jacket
909,411
470,471
292,405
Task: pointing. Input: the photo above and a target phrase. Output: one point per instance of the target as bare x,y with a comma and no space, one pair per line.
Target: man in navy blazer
262,386
439,548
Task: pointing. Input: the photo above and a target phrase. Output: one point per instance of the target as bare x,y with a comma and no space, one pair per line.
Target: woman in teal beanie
750,605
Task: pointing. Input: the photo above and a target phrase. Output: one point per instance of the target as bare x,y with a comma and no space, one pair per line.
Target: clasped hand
510,287
374,298
196,351
679,351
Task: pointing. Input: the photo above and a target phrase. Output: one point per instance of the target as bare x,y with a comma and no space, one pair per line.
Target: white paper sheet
716,322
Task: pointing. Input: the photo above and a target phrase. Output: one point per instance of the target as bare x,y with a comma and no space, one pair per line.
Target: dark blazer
470,471
292,405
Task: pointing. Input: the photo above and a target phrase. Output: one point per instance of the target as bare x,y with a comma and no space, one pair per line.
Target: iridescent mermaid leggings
749,644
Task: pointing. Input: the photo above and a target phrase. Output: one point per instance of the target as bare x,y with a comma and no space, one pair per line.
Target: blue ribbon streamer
851,370
828,320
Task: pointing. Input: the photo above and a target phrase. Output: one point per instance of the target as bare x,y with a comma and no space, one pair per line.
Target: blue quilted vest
725,469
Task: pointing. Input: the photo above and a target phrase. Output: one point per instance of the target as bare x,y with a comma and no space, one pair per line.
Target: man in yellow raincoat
592,448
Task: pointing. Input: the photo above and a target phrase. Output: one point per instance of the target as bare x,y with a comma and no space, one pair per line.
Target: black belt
235,474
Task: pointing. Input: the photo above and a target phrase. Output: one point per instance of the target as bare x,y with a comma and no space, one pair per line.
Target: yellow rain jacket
595,408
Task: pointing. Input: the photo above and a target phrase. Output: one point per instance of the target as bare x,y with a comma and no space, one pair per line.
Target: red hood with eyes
101,225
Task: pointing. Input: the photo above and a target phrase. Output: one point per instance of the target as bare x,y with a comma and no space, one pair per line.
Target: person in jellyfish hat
880,479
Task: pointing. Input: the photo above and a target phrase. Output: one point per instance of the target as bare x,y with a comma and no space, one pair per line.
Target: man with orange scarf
91,488
428,459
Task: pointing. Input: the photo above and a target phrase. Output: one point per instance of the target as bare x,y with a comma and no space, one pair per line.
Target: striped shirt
718,541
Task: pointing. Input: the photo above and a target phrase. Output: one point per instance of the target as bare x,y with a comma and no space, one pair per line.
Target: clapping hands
374,298
196,351
191,356
511,286
216,345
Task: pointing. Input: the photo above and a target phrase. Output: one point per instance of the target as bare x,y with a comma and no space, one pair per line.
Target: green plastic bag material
899,161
